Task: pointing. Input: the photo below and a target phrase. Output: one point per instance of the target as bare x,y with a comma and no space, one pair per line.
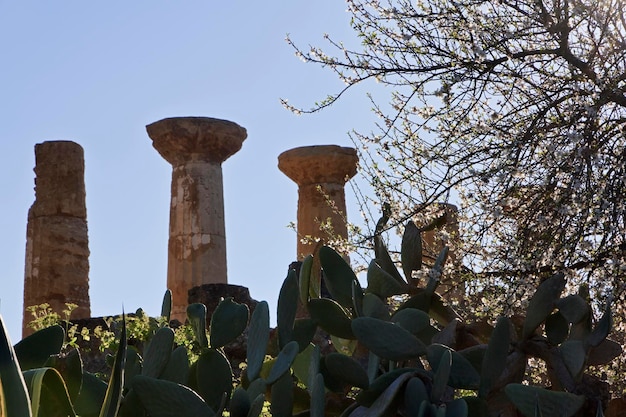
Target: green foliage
228,321
339,277
55,384
213,377
283,362
196,314
406,370
287,306
14,396
113,396
44,317
165,399
158,352
551,403
393,348
347,369
166,306
330,316
543,303
33,351
536,175
497,353
386,339
411,250
258,338
48,393
381,283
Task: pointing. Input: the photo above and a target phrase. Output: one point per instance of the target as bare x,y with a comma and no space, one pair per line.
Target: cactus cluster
38,379
338,349
421,359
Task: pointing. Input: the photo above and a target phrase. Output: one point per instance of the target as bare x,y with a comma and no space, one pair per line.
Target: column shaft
321,173
317,204
197,238
196,148
57,244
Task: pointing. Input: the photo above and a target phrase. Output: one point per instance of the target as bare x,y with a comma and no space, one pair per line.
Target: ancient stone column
447,234
196,148
321,173
434,240
57,245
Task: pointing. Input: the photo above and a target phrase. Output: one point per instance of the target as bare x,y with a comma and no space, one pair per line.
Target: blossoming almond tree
513,109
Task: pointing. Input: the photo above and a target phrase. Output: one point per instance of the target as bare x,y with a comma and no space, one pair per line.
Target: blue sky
98,73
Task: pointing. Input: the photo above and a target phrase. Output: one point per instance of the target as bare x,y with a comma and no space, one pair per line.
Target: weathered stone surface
433,242
210,295
180,140
319,164
616,408
321,173
59,182
196,148
57,244
57,248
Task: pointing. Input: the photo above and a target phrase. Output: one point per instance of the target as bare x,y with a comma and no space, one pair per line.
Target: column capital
183,139
319,164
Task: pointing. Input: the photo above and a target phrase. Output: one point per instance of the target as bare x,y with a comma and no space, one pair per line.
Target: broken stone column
321,173
196,148
57,245
447,234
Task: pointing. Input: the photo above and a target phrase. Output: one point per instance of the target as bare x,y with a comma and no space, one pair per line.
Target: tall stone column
196,148
321,173
57,245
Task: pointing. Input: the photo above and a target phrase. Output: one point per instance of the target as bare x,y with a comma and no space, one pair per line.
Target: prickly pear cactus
404,360
391,348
